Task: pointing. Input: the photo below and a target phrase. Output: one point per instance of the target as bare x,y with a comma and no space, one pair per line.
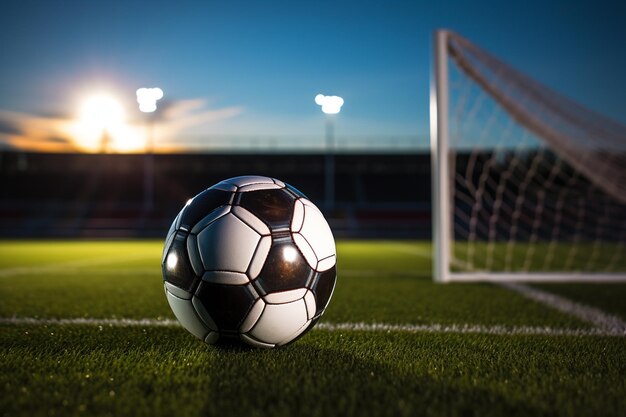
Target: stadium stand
102,195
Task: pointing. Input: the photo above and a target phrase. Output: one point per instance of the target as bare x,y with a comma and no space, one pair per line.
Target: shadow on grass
164,371
306,380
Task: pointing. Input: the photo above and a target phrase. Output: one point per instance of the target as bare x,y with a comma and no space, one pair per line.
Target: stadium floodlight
527,184
331,105
147,99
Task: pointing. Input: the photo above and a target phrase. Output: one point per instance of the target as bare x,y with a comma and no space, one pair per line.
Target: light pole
147,98
331,105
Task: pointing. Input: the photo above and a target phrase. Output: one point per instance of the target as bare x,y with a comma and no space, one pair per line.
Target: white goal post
527,185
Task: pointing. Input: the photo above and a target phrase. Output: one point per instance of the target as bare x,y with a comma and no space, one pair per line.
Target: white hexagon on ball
280,323
268,325
226,260
313,236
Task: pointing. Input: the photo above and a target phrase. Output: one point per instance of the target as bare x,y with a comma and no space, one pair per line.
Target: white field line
87,271
157,270
597,317
85,321
335,327
425,253
601,320
606,324
356,273
66,267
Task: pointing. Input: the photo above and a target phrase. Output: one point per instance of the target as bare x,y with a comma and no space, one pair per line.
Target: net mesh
538,182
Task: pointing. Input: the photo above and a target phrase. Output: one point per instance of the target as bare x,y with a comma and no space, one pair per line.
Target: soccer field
86,330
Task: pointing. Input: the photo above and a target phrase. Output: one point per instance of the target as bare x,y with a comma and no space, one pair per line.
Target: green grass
610,298
541,256
100,371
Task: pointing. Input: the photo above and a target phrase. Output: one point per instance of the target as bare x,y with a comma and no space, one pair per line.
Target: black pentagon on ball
274,207
176,267
285,268
323,285
227,305
201,205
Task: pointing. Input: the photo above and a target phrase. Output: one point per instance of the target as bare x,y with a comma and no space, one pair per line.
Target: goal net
527,184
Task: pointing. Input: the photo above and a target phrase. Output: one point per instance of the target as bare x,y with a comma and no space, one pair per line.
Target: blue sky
262,63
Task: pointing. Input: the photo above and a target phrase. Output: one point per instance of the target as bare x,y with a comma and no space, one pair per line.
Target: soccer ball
249,258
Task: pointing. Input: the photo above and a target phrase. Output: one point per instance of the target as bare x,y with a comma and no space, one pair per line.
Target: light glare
102,112
172,260
290,254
